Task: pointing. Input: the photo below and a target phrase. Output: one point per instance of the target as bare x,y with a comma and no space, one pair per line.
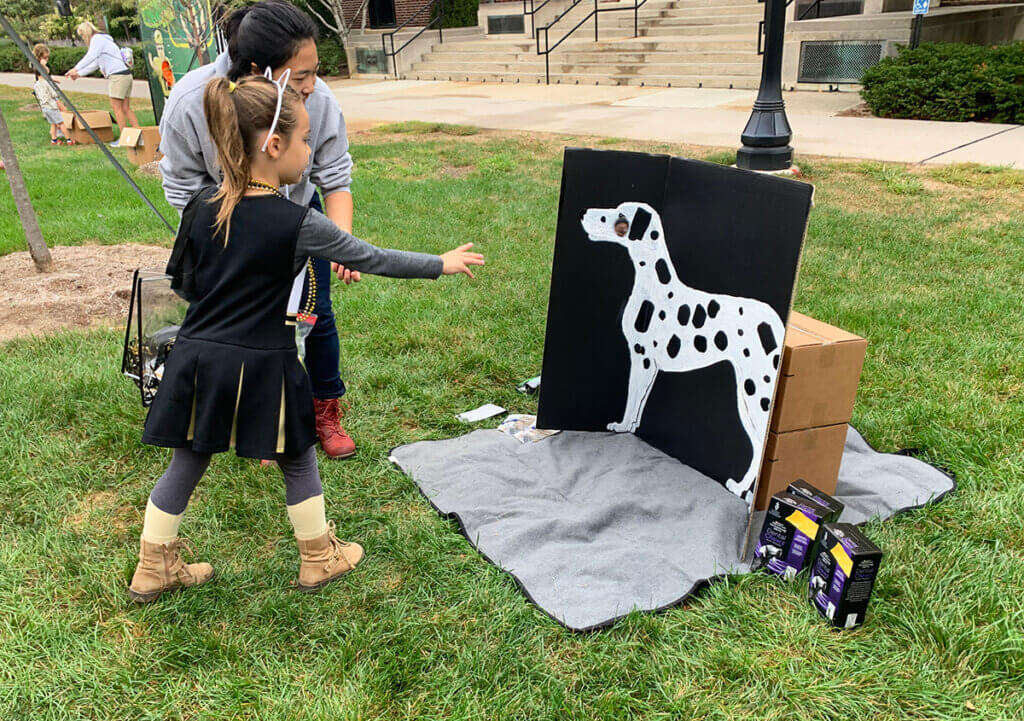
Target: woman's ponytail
232,158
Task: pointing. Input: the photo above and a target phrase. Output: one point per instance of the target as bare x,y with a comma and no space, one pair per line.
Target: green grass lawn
927,264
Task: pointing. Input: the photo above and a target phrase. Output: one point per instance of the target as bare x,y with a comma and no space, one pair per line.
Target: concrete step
607,56
744,42
676,31
564,66
711,81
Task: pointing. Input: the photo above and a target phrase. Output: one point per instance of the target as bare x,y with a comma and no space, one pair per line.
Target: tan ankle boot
161,569
325,559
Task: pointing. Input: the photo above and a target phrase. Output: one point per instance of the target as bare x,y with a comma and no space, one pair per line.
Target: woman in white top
106,56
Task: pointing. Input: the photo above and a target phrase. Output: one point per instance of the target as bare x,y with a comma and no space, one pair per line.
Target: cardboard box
810,454
821,367
789,534
843,574
98,120
142,144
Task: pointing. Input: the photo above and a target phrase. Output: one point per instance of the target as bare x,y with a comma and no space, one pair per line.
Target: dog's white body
671,327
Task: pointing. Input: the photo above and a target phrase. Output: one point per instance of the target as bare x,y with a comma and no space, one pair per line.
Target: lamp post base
760,158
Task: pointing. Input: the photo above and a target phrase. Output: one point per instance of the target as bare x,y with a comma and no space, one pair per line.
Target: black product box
790,530
843,573
805,489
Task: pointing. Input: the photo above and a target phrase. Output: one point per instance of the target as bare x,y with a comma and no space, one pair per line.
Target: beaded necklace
311,290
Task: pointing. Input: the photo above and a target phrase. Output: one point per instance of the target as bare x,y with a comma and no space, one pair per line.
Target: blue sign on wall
921,7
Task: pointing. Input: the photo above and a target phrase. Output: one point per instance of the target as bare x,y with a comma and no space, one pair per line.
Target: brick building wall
404,9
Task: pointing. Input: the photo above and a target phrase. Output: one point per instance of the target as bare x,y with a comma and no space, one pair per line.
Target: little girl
234,379
47,97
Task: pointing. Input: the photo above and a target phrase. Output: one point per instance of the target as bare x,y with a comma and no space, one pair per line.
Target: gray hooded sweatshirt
190,158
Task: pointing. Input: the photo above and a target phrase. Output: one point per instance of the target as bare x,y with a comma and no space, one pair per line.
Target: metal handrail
532,12
548,47
391,35
801,16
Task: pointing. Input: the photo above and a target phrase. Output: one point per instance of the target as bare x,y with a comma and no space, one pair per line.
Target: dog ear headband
281,83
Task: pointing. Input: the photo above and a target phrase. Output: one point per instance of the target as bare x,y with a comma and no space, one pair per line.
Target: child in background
234,379
47,98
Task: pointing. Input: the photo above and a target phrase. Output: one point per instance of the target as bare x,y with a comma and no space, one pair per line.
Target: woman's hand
72,74
459,260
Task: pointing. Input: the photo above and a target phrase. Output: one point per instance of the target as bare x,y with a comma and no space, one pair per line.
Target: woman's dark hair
268,34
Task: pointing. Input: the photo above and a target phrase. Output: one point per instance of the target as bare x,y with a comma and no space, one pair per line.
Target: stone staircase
681,43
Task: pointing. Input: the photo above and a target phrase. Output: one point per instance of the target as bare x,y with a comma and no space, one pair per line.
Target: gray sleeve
182,167
319,237
332,163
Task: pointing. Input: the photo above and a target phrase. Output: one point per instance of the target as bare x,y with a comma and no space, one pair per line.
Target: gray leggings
172,491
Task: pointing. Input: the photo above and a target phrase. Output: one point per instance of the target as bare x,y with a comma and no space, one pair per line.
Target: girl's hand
346,275
459,260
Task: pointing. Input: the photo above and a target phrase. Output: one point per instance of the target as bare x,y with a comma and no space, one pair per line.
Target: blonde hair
40,50
253,98
86,30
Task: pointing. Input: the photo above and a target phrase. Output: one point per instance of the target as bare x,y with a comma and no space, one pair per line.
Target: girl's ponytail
222,120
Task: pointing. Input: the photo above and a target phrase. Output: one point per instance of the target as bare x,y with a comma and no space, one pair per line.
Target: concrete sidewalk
685,115
95,85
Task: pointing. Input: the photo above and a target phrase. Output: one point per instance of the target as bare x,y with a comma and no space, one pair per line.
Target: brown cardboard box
821,367
141,143
810,454
99,121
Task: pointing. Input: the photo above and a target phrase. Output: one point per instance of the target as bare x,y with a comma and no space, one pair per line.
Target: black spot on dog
765,403
739,331
642,263
655,235
661,315
670,295
638,227
746,352
767,379
683,316
673,347
749,387
643,318
700,343
647,362
775,361
713,308
699,316
741,310
654,343
639,349
768,341
664,274
720,340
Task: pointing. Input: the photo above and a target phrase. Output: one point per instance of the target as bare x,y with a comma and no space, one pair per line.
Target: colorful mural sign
177,36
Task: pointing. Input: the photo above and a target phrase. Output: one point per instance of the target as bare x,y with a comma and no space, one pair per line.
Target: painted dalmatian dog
674,328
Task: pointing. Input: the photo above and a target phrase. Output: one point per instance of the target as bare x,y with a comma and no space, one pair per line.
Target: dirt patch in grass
90,286
857,111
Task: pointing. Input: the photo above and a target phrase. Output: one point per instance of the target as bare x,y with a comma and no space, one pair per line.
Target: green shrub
62,59
332,57
949,81
458,13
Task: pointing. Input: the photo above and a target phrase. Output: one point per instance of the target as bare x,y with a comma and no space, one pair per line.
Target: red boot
333,438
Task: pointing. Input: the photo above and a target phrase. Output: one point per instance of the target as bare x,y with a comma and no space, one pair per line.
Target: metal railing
439,19
548,47
816,6
532,13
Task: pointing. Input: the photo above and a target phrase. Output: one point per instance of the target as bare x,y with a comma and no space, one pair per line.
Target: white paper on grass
478,414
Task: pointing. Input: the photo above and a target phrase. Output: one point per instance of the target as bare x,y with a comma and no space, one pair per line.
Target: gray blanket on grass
595,525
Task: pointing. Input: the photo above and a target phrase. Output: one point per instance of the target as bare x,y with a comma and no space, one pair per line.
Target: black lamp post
766,137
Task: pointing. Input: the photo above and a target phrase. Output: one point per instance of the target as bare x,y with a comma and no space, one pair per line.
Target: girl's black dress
234,379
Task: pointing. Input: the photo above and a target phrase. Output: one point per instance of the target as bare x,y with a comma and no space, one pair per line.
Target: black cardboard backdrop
728,231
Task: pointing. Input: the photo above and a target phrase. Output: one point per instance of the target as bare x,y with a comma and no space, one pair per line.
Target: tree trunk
36,245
